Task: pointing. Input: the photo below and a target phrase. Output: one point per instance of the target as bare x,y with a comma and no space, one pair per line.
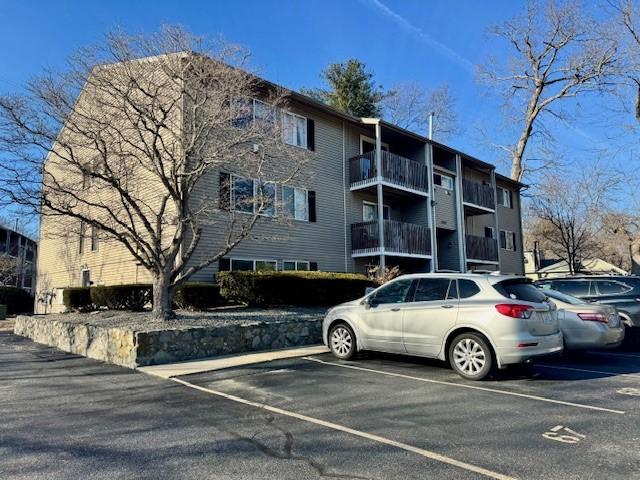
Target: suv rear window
520,290
611,287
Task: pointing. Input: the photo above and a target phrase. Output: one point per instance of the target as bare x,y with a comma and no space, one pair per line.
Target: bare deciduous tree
8,270
569,212
128,143
559,52
409,105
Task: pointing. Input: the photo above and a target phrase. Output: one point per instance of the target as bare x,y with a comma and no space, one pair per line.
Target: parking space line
369,436
586,370
615,354
472,387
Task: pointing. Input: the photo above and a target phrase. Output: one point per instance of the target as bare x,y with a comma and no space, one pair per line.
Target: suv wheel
342,341
470,356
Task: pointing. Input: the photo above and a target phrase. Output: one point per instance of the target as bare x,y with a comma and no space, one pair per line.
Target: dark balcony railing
481,248
399,237
478,194
395,169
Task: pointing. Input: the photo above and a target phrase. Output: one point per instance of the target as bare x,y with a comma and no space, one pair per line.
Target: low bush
16,299
77,299
291,288
122,297
197,296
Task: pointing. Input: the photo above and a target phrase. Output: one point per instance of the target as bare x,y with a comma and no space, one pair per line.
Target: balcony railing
478,194
396,170
481,248
399,237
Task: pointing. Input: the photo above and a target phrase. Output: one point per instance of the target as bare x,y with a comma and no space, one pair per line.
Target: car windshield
554,294
520,289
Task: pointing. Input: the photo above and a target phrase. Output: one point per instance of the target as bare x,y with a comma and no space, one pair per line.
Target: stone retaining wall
130,348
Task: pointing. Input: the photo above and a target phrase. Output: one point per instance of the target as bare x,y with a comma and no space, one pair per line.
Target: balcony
481,249
478,197
400,239
397,172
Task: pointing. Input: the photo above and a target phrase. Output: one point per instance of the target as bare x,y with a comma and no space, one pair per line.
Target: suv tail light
515,310
594,317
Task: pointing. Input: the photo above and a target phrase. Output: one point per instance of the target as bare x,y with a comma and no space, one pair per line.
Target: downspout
344,194
380,195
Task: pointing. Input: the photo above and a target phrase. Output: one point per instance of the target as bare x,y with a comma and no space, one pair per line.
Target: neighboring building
19,253
538,268
442,210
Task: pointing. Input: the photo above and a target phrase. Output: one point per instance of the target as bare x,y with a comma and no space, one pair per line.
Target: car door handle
447,306
395,309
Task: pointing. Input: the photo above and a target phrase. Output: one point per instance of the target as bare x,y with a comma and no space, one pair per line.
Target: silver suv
475,322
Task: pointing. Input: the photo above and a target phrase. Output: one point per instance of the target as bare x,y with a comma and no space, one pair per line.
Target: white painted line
228,361
615,354
472,387
601,372
358,433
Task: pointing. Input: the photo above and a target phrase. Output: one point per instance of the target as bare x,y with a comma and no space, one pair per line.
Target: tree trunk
162,298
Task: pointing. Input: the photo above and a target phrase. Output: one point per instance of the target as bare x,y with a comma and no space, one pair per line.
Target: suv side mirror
368,290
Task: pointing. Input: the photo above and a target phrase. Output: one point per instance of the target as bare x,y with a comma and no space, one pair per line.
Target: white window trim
506,197
296,264
508,234
443,175
82,276
373,204
371,140
306,194
255,182
253,260
284,130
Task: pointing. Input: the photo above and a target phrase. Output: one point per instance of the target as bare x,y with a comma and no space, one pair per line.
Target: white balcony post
495,212
380,194
462,252
431,214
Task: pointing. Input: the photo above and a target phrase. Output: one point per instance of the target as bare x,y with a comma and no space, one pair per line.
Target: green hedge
197,296
291,288
122,297
16,299
77,299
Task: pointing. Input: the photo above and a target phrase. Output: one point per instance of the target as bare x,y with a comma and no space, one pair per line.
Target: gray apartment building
20,251
442,210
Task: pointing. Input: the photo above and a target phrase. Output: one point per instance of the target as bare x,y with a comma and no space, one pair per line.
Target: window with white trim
253,196
489,232
240,264
504,197
370,212
291,265
444,181
295,203
507,240
294,129
247,110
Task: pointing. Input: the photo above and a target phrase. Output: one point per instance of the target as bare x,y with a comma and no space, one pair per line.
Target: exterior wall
510,219
448,250
445,211
23,251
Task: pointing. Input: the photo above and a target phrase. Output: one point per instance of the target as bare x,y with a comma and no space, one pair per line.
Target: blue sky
431,42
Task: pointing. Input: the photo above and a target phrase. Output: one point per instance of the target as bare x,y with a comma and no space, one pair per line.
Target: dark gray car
623,292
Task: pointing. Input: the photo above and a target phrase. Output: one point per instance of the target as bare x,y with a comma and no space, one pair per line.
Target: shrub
16,299
197,296
77,299
121,297
292,288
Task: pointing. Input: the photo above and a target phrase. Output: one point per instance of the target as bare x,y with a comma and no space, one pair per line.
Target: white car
475,322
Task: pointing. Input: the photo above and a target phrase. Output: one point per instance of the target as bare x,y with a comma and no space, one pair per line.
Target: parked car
475,322
616,290
586,324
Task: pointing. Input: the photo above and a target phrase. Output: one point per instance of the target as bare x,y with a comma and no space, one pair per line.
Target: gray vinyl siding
509,219
448,250
322,241
445,215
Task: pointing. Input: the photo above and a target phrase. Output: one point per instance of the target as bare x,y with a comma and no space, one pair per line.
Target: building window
295,203
294,129
489,232
86,278
507,240
443,181
291,265
81,237
253,196
3,240
94,238
504,197
370,212
254,265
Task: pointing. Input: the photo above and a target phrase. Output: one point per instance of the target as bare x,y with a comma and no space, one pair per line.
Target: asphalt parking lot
379,416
